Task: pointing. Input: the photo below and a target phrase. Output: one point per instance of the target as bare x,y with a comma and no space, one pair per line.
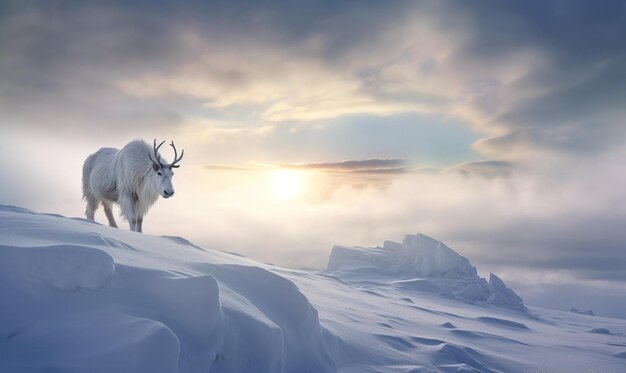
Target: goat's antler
156,152
176,158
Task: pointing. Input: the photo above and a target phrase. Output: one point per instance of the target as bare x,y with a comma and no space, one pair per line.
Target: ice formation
431,267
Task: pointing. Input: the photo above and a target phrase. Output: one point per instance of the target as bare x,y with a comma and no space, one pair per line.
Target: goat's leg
138,226
109,213
92,206
128,210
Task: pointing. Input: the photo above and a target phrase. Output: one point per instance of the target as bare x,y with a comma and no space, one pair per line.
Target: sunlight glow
286,184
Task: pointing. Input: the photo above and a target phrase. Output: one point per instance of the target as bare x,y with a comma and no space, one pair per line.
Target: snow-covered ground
76,296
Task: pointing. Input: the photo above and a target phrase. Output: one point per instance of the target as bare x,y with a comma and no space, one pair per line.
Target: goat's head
163,172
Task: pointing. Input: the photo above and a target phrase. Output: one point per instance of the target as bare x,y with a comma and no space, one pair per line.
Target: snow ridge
89,298
423,264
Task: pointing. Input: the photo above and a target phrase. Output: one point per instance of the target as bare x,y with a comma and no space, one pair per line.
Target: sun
286,184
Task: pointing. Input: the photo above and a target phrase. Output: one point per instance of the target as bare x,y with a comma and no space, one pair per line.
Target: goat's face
163,180
163,172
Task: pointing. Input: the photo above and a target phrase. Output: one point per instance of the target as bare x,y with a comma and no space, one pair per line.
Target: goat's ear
155,167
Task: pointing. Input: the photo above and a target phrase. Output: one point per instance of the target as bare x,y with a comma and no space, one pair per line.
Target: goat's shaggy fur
129,177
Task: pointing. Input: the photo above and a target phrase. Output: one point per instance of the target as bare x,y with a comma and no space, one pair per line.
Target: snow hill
76,296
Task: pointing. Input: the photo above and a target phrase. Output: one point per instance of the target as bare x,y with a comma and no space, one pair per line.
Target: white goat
132,177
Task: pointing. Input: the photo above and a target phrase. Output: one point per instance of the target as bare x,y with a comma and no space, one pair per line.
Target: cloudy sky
497,127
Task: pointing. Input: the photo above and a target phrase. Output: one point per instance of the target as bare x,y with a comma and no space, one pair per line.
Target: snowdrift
76,296
425,265
80,297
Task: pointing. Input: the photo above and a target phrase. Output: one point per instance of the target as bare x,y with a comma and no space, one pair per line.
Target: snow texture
76,296
576,310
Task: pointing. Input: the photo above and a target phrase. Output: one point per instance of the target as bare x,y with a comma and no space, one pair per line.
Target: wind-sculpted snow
417,255
424,265
500,295
76,296
80,297
62,267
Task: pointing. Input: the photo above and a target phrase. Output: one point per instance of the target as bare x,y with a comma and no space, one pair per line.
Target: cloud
220,167
514,71
374,166
485,168
355,166
53,75
572,100
589,296
365,166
